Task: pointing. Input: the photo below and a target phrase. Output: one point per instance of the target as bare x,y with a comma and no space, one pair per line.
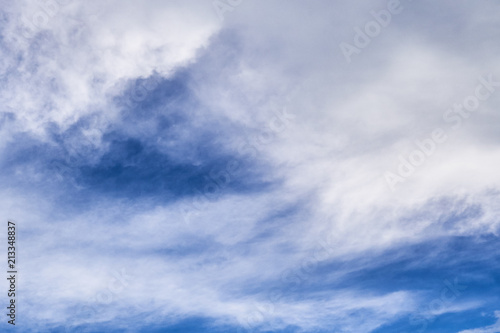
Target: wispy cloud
207,175
489,329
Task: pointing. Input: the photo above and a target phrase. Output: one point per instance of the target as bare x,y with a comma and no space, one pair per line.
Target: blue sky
252,166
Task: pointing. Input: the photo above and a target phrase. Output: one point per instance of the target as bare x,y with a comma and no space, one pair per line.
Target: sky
251,165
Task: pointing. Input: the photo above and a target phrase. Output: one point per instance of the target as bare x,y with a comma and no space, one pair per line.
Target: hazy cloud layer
283,166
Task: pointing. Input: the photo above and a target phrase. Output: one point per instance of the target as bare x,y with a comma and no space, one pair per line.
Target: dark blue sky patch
132,169
199,324
424,268
77,173
163,147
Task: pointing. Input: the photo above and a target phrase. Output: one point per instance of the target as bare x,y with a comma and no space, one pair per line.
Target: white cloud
76,56
350,125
